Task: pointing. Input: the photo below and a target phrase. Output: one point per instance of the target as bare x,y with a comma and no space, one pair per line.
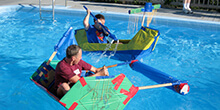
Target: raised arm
106,33
86,20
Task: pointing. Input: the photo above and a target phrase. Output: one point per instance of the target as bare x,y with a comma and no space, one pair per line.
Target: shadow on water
22,8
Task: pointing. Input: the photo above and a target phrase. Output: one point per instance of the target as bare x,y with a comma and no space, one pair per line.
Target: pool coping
177,14
63,8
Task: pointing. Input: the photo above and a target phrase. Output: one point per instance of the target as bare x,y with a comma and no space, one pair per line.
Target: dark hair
99,16
72,50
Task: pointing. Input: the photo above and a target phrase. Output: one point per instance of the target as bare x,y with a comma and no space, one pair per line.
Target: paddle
119,64
159,76
129,62
110,34
162,85
63,42
181,87
48,62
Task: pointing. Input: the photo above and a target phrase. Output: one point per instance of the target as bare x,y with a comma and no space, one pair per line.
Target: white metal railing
53,3
40,10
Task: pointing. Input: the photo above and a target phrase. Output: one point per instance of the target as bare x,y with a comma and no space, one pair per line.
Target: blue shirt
95,36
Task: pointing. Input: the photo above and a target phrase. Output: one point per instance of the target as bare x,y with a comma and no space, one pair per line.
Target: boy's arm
86,20
106,33
99,71
74,79
94,69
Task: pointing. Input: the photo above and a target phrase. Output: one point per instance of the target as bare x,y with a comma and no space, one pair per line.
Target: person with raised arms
95,33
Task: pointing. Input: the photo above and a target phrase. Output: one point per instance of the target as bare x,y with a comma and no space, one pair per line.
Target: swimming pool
187,50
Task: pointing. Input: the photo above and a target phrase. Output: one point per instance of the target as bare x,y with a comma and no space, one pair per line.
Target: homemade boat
103,92
141,45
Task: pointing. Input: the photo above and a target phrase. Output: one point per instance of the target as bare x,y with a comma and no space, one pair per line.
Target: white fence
211,4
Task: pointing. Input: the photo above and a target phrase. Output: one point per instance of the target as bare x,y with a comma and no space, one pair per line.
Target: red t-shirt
64,71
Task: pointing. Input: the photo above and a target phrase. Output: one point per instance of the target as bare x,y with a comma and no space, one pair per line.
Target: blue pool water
187,50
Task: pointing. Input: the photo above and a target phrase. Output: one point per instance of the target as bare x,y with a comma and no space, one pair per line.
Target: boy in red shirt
69,69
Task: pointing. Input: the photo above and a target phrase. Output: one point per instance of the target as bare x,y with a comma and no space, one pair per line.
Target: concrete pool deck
211,16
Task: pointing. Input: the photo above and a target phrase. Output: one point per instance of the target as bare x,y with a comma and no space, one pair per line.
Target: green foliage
167,2
148,0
